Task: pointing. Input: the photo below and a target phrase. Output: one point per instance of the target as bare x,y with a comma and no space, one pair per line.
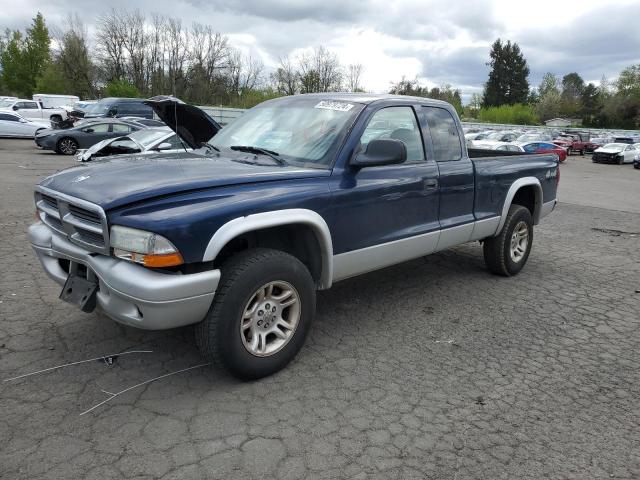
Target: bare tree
177,54
245,73
354,72
111,45
209,60
319,71
134,43
286,77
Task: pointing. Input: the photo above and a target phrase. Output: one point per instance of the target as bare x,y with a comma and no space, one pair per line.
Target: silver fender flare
513,189
240,225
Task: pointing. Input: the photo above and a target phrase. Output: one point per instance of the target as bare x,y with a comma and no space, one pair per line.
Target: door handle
431,184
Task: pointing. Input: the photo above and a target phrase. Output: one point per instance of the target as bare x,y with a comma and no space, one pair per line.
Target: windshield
616,146
300,129
99,108
495,136
6,103
149,137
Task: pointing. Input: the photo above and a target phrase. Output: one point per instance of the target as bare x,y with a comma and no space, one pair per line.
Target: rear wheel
507,253
67,146
261,314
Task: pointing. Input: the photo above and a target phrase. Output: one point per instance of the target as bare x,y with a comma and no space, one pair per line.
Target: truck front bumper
129,293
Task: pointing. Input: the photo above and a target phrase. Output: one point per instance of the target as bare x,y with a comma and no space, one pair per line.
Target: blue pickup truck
237,235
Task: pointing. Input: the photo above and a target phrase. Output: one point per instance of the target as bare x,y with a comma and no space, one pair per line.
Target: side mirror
89,130
164,146
15,108
24,120
381,152
112,112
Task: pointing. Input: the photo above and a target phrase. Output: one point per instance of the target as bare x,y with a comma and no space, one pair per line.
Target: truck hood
191,124
114,182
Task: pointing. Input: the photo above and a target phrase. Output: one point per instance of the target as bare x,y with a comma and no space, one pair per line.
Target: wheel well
526,196
298,240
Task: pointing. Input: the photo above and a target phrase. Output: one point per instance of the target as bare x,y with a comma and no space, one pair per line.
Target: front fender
258,221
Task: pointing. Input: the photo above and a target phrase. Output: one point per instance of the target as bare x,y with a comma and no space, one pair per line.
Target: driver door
386,214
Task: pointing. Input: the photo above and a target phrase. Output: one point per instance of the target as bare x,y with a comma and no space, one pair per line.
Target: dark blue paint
187,197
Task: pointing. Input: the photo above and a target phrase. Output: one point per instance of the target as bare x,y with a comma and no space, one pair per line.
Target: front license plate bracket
80,292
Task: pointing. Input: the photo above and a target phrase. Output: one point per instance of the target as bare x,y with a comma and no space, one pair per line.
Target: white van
55,101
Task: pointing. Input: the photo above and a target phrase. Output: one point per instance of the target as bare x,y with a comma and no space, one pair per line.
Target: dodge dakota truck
238,234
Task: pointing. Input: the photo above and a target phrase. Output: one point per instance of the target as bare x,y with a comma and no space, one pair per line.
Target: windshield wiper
260,151
210,146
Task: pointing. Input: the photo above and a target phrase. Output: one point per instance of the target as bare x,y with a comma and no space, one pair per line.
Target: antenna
175,115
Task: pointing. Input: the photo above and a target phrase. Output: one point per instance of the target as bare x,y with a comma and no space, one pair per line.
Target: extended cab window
398,123
444,134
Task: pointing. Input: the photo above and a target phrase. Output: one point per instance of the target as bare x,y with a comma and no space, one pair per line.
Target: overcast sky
440,41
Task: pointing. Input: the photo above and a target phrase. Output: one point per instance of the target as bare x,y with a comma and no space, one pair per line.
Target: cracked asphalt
430,369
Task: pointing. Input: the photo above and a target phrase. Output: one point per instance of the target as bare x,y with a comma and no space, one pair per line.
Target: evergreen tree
36,53
572,88
12,62
25,57
507,82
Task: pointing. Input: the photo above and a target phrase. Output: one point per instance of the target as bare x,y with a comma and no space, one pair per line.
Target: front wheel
507,253
261,314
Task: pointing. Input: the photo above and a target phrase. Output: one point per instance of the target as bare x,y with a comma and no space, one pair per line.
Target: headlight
146,248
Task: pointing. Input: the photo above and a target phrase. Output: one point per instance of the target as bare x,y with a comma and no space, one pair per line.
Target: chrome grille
82,222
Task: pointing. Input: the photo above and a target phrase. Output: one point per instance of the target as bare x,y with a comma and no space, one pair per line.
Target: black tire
497,250
582,152
67,146
219,336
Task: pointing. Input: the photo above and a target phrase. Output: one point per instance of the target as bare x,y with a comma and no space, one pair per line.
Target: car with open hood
147,141
237,235
615,153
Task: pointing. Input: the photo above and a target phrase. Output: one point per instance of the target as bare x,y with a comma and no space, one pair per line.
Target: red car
545,147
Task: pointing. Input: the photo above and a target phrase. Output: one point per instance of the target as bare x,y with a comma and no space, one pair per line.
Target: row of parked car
106,127
23,118
620,149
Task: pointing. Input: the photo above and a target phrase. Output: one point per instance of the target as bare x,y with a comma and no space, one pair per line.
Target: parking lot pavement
430,369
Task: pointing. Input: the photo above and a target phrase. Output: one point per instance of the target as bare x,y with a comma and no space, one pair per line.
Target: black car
84,135
119,107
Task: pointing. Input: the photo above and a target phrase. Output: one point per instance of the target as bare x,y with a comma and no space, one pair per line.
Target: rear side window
444,134
98,128
117,127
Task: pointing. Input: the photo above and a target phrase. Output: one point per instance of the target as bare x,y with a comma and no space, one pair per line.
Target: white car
145,141
14,125
615,153
500,146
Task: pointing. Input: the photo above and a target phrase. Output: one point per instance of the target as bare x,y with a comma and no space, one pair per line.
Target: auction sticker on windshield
339,106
